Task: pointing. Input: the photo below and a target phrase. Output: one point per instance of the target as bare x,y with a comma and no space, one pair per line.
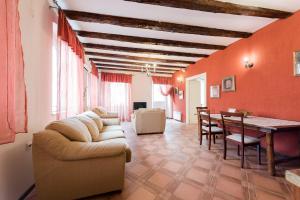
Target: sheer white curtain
162,101
94,91
116,97
69,83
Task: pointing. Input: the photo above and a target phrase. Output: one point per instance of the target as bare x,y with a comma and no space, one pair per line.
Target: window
87,101
115,94
67,78
161,101
119,94
54,69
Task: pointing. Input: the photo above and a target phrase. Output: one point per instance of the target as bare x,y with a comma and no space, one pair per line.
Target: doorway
195,96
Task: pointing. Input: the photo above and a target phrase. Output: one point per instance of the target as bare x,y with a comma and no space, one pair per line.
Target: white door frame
187,94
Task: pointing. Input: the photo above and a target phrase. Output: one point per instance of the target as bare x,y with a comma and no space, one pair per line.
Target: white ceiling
173,15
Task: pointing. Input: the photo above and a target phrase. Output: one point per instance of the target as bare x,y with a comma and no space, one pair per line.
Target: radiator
177,115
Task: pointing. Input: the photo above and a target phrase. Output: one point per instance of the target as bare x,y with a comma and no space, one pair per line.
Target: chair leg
214,138
238,151
200,137
209,141
259,153
243,156
225,149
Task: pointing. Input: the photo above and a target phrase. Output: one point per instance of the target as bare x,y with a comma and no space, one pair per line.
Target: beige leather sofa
79,157
103,113
145,121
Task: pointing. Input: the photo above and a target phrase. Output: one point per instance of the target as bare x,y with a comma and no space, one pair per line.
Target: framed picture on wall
297,63
214,91
228,84
180,94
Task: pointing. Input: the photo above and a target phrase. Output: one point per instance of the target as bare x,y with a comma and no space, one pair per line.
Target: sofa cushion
91,125
110,121
71,128
94,117
110,135
99,110
112,128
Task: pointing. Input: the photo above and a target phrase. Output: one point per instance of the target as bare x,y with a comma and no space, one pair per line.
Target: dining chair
206,128
199,109
237,136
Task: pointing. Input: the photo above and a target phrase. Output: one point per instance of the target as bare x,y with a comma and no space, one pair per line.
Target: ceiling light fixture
149,69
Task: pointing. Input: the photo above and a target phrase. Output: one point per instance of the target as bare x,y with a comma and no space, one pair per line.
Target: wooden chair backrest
204,119
236,120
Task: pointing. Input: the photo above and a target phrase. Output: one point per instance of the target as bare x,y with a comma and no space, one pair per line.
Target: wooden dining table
267,126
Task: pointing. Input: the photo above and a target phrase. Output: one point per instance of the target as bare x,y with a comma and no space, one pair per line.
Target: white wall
142,88
15,162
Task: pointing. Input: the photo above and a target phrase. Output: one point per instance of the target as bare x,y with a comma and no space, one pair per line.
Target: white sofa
146,121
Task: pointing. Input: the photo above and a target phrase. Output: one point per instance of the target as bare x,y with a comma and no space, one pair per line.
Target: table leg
270,153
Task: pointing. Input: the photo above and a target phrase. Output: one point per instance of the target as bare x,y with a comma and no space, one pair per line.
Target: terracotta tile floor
174,166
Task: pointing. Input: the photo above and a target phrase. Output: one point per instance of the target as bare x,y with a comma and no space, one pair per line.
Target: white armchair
146,121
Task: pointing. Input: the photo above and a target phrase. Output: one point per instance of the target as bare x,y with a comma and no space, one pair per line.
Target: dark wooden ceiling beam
139,50
153,25
148,41
133,63
144,59
218,7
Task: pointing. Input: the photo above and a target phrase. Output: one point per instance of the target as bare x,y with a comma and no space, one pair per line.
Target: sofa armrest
61,148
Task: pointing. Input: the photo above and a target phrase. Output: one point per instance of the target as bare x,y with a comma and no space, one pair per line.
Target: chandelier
149,69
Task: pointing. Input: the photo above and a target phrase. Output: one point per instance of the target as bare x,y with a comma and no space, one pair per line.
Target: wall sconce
248,64
180,79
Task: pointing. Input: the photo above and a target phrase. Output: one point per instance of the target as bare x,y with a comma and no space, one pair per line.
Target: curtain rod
56,5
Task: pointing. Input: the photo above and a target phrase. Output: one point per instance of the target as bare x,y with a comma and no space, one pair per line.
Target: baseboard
27,192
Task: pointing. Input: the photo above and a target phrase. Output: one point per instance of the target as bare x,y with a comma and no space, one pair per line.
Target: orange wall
269,88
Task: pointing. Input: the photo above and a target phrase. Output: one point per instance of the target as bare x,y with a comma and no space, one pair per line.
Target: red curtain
118,78
13,115
162,80
66,34
94,70
70,71
115,94
94,86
